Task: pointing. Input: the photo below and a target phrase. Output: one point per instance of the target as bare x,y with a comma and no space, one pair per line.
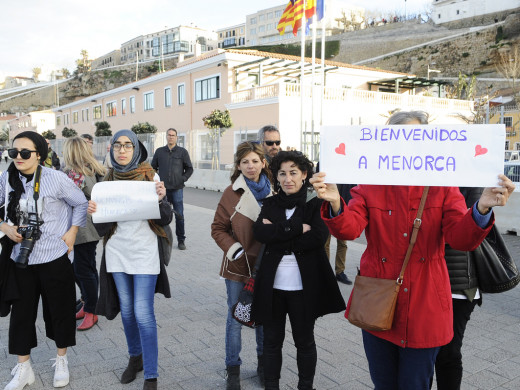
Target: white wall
461,9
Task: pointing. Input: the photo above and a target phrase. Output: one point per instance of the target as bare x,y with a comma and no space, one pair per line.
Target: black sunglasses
24,153
271,143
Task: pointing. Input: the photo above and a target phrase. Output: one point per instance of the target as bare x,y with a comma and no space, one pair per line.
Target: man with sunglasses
269,138
52,160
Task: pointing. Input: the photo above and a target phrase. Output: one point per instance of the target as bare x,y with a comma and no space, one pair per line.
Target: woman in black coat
295,277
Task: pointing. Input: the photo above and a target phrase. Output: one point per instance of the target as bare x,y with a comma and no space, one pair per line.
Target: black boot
150,384
272,384
233,378
260,370
135,364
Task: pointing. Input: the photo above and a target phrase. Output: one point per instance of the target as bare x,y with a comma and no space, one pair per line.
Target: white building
445,11
233,36
261,27
169,42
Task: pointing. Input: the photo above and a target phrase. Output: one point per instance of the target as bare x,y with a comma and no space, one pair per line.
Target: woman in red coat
403,357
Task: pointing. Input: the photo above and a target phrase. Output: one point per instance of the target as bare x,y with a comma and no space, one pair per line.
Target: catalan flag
287,17
310,10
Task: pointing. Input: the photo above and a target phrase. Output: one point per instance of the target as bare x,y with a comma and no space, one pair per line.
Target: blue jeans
234,328
136,298
175,198
396,368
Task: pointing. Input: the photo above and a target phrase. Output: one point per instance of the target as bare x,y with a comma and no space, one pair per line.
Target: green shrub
67,133
144,128
465,54
48,134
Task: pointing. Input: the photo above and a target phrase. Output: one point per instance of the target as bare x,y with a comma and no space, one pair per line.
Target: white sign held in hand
124,200
418,155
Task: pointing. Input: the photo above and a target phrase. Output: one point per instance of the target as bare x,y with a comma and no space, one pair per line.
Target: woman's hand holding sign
326,191
496,196
160,189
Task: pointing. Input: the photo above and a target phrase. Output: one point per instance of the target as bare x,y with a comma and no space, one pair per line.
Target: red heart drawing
340,149
480,150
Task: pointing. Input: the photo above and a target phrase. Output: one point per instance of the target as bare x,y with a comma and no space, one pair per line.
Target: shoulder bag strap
416,226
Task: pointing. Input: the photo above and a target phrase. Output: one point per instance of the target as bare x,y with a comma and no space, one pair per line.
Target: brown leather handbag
373,301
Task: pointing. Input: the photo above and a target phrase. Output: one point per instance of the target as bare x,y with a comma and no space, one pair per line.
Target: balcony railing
351,96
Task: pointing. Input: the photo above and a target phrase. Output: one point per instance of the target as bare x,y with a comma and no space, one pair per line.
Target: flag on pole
287,18
310,10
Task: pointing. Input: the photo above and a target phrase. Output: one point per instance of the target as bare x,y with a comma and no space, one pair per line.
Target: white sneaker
61,372
23,374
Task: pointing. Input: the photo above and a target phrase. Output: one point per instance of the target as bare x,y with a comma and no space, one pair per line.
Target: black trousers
54,283
289,303
448,366
86,273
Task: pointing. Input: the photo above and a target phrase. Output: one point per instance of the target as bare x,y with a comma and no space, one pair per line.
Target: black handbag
496,268
241,311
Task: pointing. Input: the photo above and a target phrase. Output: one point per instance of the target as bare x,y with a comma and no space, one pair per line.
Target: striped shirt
62,205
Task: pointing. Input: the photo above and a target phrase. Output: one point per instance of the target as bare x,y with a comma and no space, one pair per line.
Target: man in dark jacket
174,167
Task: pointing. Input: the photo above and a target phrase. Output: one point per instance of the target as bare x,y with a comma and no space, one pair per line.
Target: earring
303,182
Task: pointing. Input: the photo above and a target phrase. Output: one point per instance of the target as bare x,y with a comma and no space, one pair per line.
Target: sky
51,34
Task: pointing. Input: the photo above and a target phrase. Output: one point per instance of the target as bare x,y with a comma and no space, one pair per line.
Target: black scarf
293,200
15,194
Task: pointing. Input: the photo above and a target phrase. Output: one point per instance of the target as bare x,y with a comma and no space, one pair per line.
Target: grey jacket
174,166
88,233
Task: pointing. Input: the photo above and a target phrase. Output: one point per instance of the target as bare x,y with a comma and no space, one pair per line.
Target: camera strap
36,192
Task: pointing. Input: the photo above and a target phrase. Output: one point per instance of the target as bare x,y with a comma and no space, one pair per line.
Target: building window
167,97
148,101
86,114
278,14
181,94
206,147
207,89
132,104
269,27
252,31
58,120
83,115
252,21
270,15
458,12
261,29
123,106
97,112
111,109
261,17
439,16
508,121
241,30
66,122
75,117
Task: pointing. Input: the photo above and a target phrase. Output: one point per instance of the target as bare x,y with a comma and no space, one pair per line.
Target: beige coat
232,229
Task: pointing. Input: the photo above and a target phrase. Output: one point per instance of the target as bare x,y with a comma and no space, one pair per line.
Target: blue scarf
261,189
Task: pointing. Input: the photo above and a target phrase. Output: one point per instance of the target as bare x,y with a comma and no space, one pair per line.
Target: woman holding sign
133,265
84,170
404,356
232,230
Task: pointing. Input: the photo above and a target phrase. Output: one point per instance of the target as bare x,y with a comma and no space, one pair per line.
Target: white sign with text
420,155
125,200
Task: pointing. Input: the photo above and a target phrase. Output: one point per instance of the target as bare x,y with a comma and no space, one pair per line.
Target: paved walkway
191,335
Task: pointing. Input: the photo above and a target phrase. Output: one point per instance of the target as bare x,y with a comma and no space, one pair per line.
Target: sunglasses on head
24,153
271,143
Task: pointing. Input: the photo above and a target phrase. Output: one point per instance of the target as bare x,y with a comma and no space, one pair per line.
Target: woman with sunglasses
295,278
57,213
232,230
84,170
133,266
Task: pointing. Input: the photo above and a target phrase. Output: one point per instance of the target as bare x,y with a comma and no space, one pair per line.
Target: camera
30,233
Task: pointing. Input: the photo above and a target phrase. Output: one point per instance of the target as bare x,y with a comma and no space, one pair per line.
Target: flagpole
323,21
302,122
313,70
